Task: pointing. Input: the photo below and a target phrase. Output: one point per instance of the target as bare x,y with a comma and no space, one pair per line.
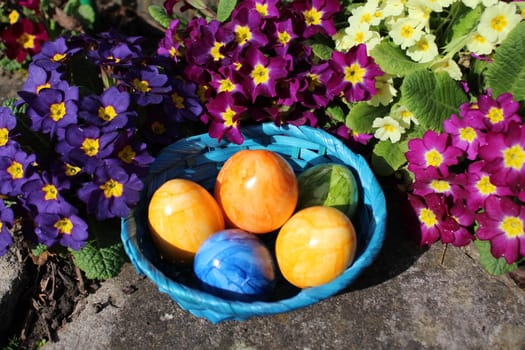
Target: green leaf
494,266
100,262
432,97
224,9
463,28
388,157
336,113
159,14
393,60
322,51
362,115
39,249
87,14
507,72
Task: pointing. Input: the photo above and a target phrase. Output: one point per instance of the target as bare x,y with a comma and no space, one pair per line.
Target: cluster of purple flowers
92,112
258,65
470,180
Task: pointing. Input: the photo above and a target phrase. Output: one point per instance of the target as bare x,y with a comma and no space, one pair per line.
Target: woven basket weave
200,158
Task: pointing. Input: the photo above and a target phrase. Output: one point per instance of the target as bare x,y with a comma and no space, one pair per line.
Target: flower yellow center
313,17
427,217
440,186
389,128
90,147
485,187
127,155
242,34
178,100
50,192
141,85
407,31
1,226
359,37
467,134
262,9
174,52
228,116
514,157
406,115
16,170
27,41
71,170
215,51
433,158
498,23
283,38
422,45
14,16
158,128
354,73
58,57
64,226
42,86
107,113
260,74
512,226
4,136
314,80
226,85
366,18
480,38
112,188
57,111
495,115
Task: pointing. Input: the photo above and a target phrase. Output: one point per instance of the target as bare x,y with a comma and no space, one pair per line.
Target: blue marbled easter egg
236,265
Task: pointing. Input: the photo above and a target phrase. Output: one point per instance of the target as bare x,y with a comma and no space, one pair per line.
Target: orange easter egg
257,190
182,214
315,246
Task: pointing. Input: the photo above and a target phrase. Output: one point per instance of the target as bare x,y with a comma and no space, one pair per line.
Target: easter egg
331,185
181,215
315,246
257,190
236,265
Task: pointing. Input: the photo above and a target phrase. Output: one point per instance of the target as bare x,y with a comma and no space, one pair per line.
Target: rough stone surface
12,280
408,299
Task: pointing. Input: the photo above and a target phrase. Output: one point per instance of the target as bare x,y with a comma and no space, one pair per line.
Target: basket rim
228,309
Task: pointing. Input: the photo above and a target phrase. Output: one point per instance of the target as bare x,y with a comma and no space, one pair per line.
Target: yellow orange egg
257,190
182,214
315,246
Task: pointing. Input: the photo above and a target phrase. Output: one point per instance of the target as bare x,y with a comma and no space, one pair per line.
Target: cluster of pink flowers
469,180
258,65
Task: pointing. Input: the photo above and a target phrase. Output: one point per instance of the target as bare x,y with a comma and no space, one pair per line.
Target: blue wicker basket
199,158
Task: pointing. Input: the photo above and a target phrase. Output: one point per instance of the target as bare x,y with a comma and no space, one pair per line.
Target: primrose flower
405,32
52,110
473,3
30,4
448,66
133,155
354,74
464,135
182,103
224,115
365,15
65,228
318,16
385,95
432,182
23,38
503,223
38,78
498,113
86,147
505,155
263,73
355,35
424,50
109,110
148,85
497,21
43,194
7,124
313,93
6,222
15,169
404,117
265,8
13,16
246,24
53,54
283,36
387,128
480,45
431,211
169,45
206,42
479,186
433,150
111,193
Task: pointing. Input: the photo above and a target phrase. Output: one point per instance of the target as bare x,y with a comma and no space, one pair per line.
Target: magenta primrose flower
318,16
266,8
503,223
169,45
263,73
354,74
498,113
246,25
464,136
430,210
432,151
224,115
